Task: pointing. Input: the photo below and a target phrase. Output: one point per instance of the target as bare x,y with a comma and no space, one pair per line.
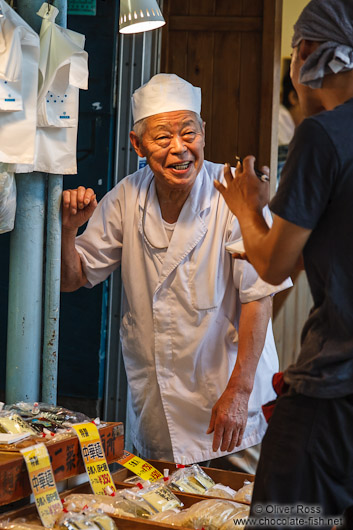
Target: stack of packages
29,421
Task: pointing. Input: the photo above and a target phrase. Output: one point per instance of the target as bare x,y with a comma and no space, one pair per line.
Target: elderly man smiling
196,333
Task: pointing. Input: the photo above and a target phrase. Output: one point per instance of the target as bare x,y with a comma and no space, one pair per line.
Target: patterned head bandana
331,23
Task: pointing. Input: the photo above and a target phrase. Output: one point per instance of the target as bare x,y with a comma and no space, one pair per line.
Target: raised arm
77,207
275,251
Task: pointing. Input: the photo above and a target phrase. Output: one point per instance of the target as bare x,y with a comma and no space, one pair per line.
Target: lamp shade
139,15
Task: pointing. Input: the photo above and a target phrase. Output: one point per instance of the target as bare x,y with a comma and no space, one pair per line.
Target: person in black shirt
307,452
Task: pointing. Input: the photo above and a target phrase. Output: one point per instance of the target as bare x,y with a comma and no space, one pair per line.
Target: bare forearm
230,412
274,252
253,324
72,275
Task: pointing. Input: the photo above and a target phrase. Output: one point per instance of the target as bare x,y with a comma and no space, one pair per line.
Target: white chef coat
181,312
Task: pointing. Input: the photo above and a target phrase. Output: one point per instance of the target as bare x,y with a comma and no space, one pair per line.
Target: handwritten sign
43,484
140,467
94,459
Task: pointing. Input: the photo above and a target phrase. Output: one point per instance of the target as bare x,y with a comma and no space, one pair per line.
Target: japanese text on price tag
140,467
94,459
43,484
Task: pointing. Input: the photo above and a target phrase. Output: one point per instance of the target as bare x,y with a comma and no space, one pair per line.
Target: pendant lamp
139,15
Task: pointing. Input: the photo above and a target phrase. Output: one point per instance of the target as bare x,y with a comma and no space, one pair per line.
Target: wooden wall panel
220,46
249,95
225,99
202,7
228,8
253,7
200,73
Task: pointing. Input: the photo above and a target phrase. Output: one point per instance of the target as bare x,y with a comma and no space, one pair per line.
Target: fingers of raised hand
228,174
77,199
84,197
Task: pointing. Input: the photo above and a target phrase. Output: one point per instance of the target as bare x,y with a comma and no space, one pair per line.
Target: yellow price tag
140,467
94,459
43,484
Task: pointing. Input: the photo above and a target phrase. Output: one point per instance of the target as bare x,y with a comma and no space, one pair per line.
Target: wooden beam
211,23
270,87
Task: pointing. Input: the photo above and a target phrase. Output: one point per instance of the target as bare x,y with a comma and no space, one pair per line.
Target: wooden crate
66,461
233,479
123,523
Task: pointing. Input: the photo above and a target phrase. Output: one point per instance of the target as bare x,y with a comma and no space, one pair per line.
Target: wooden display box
66,461
233,479
122,522
229,478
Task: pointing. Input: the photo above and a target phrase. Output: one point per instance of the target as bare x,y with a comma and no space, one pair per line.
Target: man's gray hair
140,126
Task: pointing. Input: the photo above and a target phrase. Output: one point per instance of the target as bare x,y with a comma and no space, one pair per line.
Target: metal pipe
52,270
25,290
52,291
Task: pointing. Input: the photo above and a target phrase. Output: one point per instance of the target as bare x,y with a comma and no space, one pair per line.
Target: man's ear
203,132
136,144
306,48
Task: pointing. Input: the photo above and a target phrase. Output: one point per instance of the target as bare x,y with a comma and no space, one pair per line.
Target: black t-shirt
316,192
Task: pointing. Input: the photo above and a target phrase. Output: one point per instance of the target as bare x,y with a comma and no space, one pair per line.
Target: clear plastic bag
159,496
95,521
20,524
237,522
43,416
219,490
120,504
191,479
244,494
210,514
7,199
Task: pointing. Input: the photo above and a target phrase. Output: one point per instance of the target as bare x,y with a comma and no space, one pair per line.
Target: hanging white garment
19,57
63,70
7,199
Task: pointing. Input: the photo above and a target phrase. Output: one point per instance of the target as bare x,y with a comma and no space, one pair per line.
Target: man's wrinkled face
173,144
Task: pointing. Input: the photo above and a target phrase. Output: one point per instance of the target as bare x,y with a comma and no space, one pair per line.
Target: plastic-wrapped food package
210,514
237,522
12,423
58,415
245,493
219,490
120,504
20,524
171,517
94,521
46,420
159,496
191,479
135,480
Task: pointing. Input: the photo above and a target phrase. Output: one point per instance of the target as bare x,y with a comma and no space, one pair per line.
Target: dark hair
287,87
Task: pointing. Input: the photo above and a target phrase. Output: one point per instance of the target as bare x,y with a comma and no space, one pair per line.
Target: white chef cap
165,93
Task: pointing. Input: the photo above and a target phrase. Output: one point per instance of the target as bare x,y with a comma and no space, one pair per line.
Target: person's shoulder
133,181
326,118
213,170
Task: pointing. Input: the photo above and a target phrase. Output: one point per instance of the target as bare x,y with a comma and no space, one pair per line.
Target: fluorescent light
139,15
